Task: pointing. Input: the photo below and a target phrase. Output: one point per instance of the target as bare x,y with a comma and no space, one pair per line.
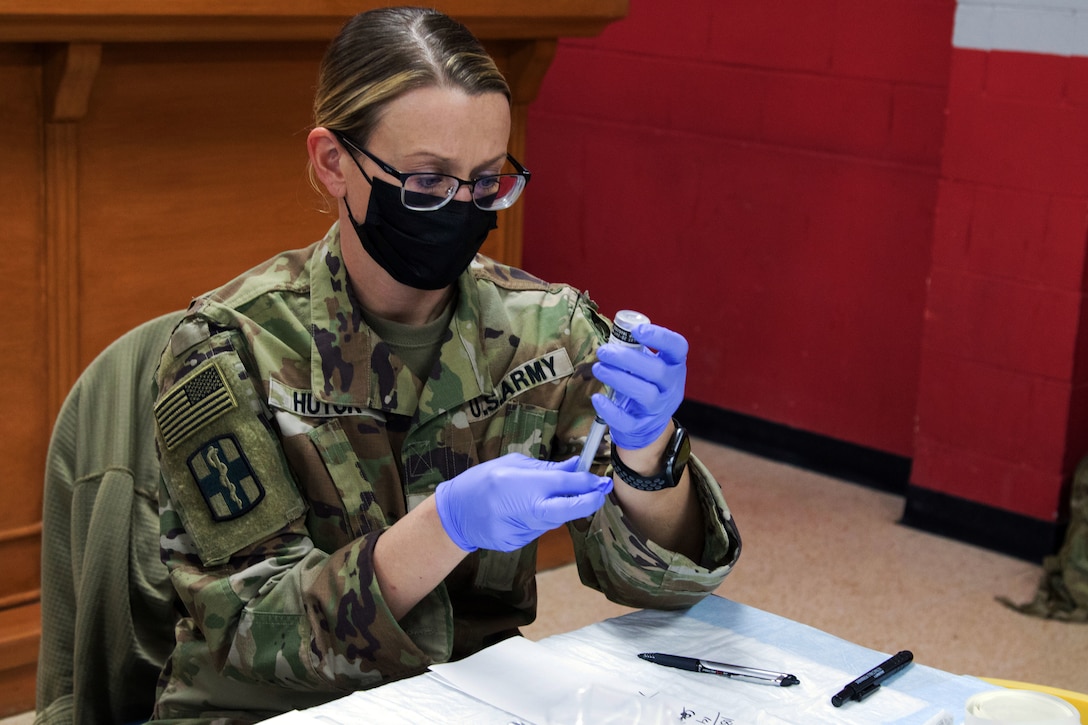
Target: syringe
622,326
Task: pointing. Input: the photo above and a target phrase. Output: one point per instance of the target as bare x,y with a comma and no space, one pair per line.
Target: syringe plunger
623,325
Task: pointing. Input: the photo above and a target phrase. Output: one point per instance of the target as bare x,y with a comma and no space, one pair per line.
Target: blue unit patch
226,480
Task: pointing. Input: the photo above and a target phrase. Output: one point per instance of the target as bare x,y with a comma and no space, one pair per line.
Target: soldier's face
433,134
437,130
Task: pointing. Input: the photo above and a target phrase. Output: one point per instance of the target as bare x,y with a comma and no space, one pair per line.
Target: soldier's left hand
649,385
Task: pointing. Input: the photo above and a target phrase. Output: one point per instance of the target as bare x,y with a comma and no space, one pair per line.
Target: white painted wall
1053,27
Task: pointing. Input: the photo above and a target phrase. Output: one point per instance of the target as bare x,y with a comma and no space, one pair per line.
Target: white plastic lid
629,319
622,326
1023,707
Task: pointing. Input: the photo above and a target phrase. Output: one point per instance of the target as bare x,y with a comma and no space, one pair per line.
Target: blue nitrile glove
650,385
506,503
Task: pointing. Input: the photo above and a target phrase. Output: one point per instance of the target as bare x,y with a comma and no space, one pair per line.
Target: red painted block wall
865,229
1003,391
761,177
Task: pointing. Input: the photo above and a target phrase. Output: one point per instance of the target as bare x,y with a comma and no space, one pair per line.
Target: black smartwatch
676,459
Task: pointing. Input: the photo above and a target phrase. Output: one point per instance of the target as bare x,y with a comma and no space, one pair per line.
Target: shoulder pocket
221,463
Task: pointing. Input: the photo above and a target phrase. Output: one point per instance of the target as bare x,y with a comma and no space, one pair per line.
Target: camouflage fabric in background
1063,591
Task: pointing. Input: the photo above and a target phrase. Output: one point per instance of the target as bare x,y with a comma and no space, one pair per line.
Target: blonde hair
382,54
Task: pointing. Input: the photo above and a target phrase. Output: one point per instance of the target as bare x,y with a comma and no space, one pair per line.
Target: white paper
616,644
521,681
525,679
537,684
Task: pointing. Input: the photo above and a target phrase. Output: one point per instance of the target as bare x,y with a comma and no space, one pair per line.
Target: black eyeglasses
426,191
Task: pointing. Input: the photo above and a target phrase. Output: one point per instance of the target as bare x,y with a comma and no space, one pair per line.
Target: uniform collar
351,366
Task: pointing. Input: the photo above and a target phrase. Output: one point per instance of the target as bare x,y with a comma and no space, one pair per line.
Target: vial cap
624,322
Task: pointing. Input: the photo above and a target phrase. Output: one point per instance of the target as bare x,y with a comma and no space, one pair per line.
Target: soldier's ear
327,158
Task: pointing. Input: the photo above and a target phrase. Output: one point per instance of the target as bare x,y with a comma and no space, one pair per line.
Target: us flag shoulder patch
201,397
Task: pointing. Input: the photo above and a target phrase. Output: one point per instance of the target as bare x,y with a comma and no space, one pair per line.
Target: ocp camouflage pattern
1062,593
272,502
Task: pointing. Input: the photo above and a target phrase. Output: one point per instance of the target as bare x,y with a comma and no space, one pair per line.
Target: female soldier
362,440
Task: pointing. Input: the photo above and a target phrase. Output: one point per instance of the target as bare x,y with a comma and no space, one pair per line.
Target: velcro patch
203,397
226,479
226,474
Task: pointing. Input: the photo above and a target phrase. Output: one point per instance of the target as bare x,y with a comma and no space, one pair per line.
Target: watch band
676,456
634,480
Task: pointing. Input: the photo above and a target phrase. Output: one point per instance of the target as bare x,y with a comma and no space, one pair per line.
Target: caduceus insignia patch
226,479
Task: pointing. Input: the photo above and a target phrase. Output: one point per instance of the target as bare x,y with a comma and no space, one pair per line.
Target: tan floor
830,554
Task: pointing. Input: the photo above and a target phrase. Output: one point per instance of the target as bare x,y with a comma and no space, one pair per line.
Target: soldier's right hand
506,503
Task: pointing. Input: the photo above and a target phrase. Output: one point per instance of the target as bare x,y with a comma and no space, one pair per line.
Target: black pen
866,685
736,672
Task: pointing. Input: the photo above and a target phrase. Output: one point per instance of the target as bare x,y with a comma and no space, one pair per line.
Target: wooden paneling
152,151
18,657
35,289
24,344
192,170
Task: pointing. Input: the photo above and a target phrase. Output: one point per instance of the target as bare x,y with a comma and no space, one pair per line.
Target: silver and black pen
735,672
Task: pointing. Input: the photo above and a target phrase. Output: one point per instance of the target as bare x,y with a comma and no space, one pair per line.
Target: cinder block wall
1002,397
869,219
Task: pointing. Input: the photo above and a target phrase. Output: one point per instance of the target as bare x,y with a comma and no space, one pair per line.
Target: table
716,629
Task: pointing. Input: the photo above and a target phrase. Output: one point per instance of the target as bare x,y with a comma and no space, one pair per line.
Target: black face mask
421,249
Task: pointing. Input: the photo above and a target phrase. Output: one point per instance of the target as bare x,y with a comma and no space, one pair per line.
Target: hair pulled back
382,54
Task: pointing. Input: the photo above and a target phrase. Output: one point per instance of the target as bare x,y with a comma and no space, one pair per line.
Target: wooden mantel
143,21
62,21
154,149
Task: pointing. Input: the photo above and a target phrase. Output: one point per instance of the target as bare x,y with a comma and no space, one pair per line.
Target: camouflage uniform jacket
275,411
